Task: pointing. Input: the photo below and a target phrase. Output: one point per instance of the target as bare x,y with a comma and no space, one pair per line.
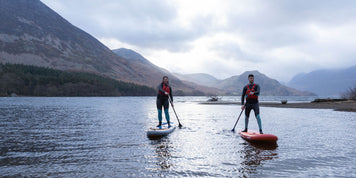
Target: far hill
327,82
144,68
200,78
235,84
133,56
181,87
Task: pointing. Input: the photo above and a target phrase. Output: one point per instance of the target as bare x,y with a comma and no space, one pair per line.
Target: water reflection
264,146
105,137
254,154
162,147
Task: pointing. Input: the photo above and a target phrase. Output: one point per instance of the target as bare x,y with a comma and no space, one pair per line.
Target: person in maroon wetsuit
251,92
164,92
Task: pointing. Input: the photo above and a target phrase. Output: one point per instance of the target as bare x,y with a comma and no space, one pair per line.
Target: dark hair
250,75
164,77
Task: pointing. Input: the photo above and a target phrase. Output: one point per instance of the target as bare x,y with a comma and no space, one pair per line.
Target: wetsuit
251,103
162,100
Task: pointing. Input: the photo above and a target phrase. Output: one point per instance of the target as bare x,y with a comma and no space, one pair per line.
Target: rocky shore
336,104
348,105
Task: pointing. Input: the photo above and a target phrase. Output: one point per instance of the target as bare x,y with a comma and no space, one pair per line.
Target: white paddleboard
157,132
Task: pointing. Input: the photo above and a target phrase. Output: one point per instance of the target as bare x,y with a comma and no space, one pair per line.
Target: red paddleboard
254,136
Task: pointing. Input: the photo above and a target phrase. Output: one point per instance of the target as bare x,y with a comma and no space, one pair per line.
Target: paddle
180,125
238,120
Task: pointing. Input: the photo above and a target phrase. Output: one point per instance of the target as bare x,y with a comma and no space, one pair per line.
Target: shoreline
348,105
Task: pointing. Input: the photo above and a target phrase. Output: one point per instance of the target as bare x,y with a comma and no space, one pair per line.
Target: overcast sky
279,38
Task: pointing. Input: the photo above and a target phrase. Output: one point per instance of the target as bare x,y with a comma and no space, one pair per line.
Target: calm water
92,137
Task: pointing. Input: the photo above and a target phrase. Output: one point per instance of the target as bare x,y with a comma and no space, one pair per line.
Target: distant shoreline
347,105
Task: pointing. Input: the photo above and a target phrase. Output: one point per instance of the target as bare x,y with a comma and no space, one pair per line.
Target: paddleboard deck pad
254,136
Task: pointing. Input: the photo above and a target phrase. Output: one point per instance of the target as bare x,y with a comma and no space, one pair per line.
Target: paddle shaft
180,125
237,120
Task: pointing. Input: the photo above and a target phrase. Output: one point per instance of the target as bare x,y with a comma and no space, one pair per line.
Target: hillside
25,80
181,87
133,56
33,34
200,78
326,82
235,84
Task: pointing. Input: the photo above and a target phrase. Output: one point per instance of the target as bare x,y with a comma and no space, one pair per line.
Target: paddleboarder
164,92
251,92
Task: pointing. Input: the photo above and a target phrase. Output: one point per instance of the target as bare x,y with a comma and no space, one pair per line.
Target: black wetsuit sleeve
243,95
170,93
257,90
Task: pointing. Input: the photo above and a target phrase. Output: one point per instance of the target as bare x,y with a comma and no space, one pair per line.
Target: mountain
235,84
325,82
133,56
33,34
156,73
200,78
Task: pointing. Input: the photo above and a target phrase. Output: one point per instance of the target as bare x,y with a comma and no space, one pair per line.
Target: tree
350,94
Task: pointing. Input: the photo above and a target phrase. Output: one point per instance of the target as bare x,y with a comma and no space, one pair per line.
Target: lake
106,137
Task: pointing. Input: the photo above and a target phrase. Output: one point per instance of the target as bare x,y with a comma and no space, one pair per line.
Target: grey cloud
119,19
232,51
151,23
146,24
160,34
282,23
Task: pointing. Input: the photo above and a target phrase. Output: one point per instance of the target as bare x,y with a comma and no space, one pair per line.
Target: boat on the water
214,98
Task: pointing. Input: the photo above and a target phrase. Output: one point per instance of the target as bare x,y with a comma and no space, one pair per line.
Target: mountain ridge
200,78
234,84
325,82
196,89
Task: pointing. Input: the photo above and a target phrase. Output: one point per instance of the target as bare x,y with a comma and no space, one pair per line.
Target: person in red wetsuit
251,92
164,92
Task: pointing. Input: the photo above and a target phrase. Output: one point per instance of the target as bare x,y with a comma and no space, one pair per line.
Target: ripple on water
93,137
